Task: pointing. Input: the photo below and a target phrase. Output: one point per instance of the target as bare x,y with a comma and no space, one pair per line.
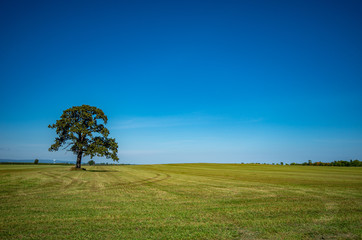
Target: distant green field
180,201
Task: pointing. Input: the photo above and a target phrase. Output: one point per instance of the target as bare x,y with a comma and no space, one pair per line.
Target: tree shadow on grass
101,171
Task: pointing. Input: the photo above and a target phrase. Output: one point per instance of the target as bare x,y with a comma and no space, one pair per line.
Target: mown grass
180,201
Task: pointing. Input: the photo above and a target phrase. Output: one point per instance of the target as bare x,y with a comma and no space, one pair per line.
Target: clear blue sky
186,81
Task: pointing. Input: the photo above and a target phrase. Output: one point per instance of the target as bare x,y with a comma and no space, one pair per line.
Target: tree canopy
81,130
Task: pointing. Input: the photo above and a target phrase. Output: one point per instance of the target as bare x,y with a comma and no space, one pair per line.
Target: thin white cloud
161,122
139,152
184,141
175,121
253,120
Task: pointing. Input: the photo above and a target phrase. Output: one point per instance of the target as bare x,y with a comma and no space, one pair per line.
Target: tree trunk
79,159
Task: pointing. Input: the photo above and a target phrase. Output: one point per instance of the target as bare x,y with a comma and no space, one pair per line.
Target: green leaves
81,129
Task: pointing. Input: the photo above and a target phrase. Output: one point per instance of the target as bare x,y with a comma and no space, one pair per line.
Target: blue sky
186,81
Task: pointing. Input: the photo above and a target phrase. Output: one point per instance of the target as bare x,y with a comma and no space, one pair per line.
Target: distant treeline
31,163
340,163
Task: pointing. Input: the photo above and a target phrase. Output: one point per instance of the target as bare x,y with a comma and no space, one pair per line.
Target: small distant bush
91,163
36,161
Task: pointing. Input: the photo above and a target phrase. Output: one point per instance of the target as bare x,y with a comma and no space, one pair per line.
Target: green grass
180,201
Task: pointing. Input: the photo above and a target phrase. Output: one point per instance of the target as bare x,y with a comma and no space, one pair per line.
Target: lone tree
80,130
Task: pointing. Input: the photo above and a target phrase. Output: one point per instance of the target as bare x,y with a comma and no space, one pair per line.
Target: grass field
180,201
